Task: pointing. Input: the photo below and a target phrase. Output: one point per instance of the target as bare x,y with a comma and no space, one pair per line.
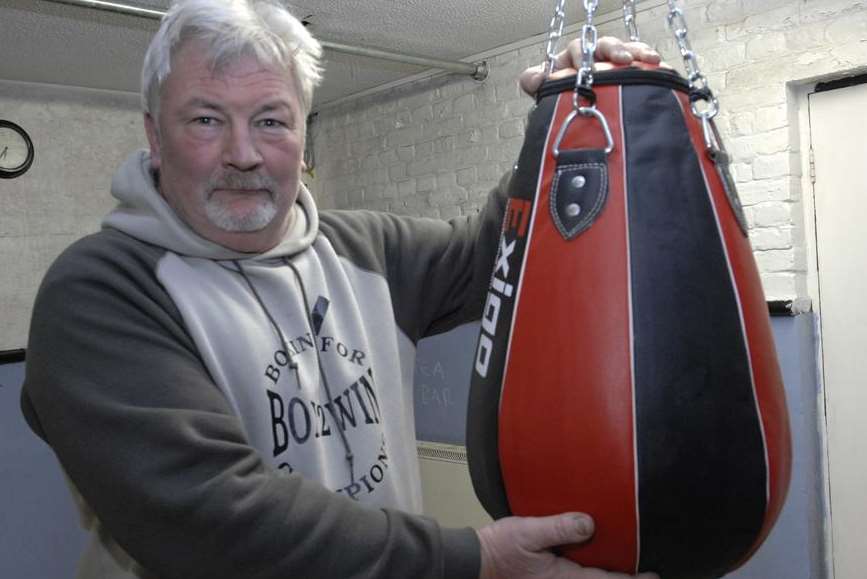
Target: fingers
565,63
546,532
519,546
531,79
609,51
614,50
541,533
643,52
572,56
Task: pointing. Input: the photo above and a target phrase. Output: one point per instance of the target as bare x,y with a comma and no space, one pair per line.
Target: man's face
228,145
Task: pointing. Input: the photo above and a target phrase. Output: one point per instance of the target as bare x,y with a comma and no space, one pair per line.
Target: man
224,373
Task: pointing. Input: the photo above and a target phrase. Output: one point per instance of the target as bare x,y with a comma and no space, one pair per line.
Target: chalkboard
40,537
442,384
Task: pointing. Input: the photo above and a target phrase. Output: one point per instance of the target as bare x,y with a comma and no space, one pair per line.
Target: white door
838,121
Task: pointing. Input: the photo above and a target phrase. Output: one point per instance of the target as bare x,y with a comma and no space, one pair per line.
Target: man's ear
153,135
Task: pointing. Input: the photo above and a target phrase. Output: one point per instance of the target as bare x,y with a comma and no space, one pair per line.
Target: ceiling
45,42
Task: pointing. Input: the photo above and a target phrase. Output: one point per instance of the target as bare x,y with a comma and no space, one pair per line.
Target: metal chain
584,84
589,37
555,33
630,20
698,83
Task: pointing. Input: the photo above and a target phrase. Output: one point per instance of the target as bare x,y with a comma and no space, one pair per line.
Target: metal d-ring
584,112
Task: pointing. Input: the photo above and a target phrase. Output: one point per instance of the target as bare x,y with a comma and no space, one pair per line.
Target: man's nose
240,150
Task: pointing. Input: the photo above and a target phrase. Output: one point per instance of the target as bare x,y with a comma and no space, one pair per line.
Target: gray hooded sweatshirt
222,414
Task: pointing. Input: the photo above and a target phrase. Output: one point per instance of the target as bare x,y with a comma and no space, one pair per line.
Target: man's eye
271,123
206,121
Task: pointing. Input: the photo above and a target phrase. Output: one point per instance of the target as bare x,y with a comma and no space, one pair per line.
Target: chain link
584,79
630,21
555,33
589,37
698,83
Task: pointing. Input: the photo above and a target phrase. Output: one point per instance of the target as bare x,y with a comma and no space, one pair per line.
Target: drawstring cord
292,363
350,458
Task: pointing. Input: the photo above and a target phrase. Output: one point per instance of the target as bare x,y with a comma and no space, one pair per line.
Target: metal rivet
573,209
578,181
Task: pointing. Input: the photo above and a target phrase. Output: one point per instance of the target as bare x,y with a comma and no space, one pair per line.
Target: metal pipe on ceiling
115,7
477,70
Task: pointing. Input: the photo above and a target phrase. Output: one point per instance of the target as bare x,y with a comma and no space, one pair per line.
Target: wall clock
16,150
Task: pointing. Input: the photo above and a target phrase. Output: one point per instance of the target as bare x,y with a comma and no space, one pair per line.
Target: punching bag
625,365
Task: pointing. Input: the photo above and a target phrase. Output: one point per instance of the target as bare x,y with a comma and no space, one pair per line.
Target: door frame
799,93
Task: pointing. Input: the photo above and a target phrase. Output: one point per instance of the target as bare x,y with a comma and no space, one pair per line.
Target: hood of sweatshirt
143,213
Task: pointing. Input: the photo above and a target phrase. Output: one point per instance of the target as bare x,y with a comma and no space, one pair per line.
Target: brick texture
436,146
65,193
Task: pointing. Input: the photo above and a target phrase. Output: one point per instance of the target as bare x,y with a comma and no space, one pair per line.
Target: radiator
446,487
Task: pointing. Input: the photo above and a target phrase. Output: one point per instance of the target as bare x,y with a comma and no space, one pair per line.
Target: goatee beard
260,216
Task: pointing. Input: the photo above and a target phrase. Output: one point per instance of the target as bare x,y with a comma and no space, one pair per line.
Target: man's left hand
610,51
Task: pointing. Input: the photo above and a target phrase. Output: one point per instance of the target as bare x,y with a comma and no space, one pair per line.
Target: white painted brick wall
81,137
438,145
442,143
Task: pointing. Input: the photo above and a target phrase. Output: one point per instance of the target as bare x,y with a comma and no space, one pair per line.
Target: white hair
231,29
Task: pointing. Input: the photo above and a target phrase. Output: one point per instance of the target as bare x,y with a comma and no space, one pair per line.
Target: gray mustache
242,181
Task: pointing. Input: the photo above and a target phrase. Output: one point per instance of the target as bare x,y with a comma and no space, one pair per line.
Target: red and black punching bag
625,365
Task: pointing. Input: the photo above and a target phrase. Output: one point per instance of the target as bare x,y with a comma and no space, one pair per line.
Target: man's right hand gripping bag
625,365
